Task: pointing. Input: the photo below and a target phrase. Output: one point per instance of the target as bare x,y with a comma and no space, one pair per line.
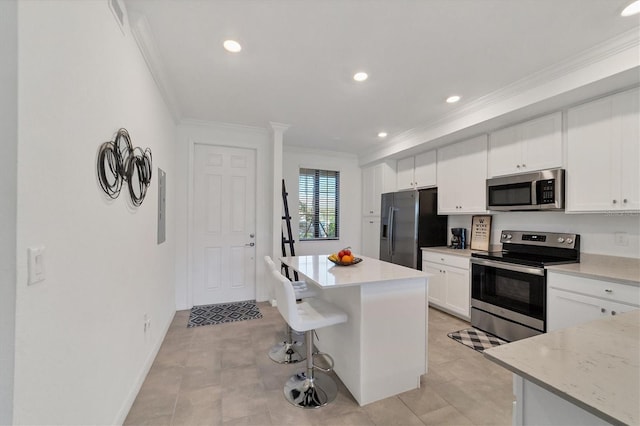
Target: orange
346,259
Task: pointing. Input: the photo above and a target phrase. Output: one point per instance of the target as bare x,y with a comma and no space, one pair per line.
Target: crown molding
296,149
145,40
600,62
222,125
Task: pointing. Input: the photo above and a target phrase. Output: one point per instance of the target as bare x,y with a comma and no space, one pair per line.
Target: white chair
285,352
308,389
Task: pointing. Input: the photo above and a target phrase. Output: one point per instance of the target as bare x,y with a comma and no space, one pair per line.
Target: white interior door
224,224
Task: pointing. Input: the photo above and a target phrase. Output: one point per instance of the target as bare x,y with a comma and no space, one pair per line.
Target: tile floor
221,375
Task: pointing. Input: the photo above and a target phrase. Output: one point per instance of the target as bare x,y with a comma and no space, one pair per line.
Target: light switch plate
36,264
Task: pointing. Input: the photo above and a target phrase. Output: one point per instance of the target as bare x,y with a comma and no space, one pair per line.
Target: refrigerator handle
390,239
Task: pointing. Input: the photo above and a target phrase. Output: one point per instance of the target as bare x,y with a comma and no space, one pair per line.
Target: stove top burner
538,249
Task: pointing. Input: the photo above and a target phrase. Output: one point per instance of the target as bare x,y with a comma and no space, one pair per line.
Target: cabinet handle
370,221
524,165
624,201
615,201
603,310
518,165
613,312
608,290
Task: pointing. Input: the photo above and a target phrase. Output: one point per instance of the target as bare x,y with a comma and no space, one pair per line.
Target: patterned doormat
476,339
223,313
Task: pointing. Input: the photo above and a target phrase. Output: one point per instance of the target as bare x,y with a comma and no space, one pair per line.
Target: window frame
316,226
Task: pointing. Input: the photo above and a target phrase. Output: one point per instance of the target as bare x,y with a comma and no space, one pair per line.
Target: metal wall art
118,162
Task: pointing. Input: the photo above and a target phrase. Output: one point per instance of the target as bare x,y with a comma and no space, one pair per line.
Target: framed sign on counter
480,232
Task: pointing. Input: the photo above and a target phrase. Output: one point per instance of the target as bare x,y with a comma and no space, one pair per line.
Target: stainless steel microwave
543,190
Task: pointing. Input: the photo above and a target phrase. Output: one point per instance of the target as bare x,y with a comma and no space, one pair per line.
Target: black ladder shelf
289,240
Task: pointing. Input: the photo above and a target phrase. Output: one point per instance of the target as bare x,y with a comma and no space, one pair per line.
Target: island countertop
324,273
595,365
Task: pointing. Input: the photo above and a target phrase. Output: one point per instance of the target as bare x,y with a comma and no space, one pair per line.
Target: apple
341,253
347,252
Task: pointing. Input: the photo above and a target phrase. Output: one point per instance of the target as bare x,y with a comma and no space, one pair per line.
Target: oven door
510,291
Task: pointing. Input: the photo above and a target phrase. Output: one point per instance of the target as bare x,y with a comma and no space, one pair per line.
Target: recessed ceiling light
632,9
382,134
453,99
360,76
232,46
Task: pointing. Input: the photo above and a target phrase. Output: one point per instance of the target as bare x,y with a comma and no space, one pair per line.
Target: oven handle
509,266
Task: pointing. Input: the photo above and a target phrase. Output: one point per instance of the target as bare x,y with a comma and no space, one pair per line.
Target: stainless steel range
509,287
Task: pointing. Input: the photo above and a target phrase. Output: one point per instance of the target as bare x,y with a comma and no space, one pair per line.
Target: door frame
263,197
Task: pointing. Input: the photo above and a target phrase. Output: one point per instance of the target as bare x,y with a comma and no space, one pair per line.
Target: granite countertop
595,365
621,269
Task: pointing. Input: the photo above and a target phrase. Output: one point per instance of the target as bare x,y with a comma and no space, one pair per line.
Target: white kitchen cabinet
573,300
603,155
462,174
376,180
371,237
449,286
535,405
416,172
437,283
526,147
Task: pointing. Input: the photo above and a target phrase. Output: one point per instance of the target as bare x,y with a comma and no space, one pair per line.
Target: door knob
251,235
250,244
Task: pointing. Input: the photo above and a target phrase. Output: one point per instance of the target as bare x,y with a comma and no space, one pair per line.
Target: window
319,204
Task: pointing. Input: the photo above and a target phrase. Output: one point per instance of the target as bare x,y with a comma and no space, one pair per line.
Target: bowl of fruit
344,257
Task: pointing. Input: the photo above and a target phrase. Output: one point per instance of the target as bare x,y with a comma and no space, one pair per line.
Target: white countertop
448,250
625,270
595,365
321,271
620,269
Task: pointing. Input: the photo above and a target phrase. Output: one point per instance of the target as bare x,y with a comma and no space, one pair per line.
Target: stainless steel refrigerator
409,220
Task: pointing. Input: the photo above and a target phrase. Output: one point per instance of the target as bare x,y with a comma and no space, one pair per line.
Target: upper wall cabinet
533,145
603,155
417,172
462,174
376,180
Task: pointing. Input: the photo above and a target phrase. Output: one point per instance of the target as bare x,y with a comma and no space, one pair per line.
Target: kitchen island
587,374
381,350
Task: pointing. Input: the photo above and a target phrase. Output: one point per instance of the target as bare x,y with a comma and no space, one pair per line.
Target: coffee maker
458,238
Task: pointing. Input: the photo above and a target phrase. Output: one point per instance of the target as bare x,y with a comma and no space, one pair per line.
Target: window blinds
319,204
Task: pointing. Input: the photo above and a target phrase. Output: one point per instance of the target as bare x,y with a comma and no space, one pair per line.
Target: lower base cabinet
573,300
449,287
534,405
371,237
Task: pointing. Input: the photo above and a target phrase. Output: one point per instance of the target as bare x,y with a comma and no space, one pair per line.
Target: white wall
350,196
597,231
191,132
81,348
8,187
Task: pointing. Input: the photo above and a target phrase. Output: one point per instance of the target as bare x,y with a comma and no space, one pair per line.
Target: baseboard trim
133,393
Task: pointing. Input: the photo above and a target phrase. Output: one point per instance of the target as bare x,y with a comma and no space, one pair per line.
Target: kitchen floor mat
476,339
223,313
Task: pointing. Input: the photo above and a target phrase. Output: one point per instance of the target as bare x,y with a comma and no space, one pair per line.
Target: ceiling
299,56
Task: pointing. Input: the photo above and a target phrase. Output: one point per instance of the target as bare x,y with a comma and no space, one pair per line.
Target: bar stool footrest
327,357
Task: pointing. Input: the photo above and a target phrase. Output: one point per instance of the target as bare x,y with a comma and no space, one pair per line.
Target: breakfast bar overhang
381,350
